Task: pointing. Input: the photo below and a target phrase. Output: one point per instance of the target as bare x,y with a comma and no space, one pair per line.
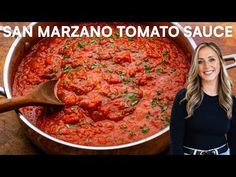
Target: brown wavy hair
194,94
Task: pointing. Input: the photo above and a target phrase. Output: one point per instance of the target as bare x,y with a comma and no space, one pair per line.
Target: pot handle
2,91
230,57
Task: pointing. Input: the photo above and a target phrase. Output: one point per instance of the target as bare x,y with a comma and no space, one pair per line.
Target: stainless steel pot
151,145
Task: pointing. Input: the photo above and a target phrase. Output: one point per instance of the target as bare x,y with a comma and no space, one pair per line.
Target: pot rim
29,124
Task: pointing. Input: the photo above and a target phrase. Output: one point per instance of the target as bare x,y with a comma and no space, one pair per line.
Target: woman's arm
231,136
177,124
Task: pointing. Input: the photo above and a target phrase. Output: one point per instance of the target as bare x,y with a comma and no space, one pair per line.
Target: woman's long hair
194,94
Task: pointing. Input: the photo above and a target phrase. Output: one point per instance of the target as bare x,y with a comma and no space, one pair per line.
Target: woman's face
208,64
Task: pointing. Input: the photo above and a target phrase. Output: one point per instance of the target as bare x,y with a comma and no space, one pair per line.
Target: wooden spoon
43,95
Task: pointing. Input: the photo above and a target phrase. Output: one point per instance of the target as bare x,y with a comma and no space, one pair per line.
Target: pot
152,145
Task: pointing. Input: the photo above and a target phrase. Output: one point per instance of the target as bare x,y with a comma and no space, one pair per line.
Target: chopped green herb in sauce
165,53
81,44
144,129
67,68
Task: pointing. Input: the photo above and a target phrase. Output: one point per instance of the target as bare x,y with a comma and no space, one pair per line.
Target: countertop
12,138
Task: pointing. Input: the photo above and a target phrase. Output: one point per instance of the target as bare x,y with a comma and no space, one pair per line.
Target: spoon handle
14,103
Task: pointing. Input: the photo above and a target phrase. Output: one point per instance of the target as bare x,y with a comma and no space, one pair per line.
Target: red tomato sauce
116,90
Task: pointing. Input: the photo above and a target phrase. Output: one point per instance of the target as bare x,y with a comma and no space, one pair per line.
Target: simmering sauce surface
116,90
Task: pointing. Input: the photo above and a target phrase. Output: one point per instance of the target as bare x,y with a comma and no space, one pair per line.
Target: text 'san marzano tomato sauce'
116,90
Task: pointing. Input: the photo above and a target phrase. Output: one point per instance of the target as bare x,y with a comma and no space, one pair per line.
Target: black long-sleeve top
208,128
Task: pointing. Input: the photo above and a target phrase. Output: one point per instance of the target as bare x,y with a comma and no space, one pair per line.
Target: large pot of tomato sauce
118,92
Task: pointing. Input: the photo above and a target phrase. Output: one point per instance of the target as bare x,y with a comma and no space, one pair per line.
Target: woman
203,118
